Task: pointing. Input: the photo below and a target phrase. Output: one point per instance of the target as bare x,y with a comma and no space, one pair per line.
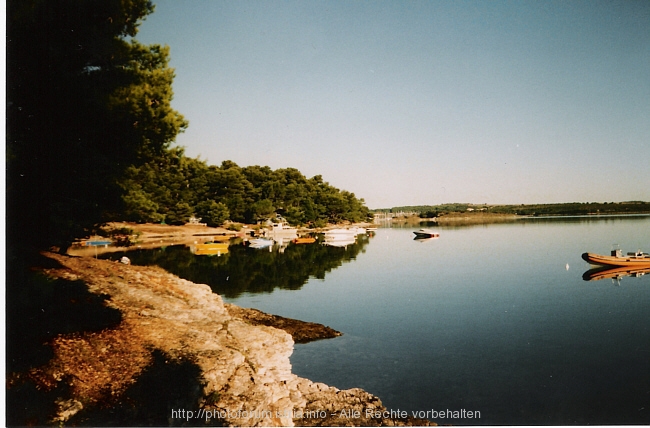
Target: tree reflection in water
249,270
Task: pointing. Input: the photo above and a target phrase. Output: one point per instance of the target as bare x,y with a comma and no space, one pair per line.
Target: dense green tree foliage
89,130
84,101
173,187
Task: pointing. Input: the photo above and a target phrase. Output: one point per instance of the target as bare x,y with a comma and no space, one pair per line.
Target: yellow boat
305,240
618,259
211,248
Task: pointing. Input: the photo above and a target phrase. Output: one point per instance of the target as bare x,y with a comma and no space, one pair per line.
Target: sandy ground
149,230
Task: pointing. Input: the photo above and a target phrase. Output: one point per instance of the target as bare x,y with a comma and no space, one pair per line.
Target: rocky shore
239,358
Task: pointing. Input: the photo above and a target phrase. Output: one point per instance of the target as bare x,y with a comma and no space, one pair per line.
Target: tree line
90,130
173,187
570,208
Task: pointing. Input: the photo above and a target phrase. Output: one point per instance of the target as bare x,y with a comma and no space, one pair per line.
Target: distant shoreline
571,208
474,218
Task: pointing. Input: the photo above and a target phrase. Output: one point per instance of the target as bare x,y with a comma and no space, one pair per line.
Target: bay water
493,318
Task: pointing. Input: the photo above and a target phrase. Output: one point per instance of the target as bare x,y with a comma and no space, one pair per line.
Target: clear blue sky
420,102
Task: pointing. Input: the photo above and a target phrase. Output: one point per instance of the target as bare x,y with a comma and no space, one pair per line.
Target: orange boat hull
597,259
304,240
614,272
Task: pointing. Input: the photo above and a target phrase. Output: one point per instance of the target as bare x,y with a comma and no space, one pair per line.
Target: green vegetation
572,208
89,131
84,101
172,188
575,208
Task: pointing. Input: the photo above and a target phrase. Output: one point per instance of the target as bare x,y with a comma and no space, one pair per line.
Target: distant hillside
571,208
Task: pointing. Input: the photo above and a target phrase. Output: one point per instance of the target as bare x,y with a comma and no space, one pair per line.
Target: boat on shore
617,258
426,233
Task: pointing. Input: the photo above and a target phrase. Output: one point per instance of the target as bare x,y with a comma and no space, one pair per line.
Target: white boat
283,230
340,234
340,242
260,243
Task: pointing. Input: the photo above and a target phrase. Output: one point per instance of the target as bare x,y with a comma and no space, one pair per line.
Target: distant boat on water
426,233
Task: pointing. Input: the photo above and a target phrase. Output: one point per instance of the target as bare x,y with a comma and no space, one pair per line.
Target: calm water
485,318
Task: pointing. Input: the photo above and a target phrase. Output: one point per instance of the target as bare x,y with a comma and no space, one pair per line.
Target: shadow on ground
39,309
165,386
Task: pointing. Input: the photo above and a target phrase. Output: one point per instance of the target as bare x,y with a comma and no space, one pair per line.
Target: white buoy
567,266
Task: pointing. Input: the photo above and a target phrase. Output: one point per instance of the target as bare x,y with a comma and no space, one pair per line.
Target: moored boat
340,242
426,233
304,240
617,258
282,230
261,243
211,248
92,243
339,233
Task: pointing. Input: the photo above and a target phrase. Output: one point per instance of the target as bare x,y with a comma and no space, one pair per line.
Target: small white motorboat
282,230
341,242
260,243
345,234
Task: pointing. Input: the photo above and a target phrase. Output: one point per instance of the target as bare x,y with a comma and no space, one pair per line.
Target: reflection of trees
245,269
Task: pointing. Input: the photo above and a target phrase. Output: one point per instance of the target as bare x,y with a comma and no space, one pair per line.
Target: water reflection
423,239
614,273
244,269
210,248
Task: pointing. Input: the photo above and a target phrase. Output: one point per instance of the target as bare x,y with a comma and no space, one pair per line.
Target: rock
66,409
300,331
242,357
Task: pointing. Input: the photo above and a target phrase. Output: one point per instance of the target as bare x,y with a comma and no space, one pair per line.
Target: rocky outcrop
300,331
244,364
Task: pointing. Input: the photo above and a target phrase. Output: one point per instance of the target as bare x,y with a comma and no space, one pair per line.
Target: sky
419,102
